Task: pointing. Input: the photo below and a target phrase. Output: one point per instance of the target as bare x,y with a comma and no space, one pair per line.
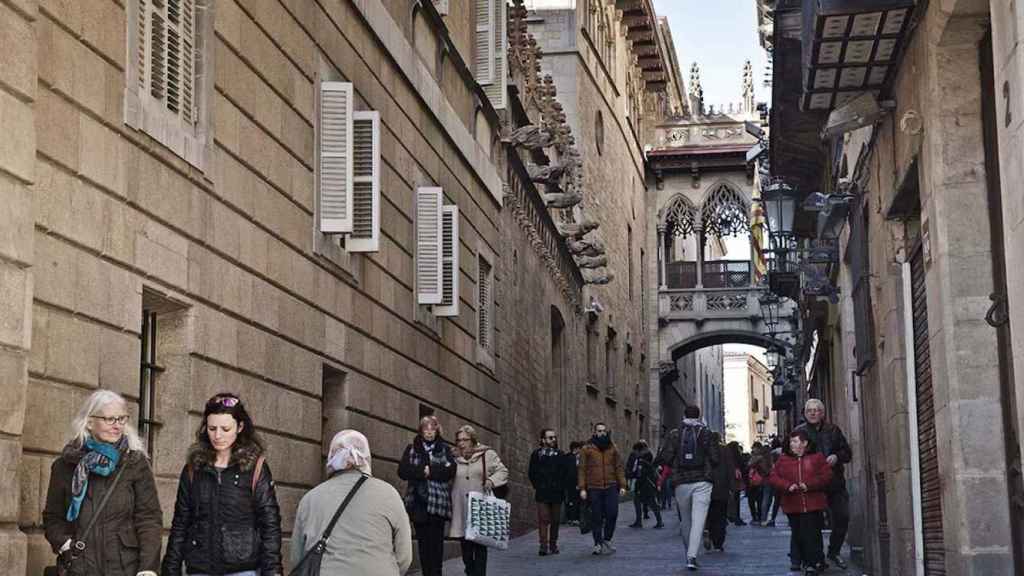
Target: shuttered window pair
437,252
165,55
490,47
348,168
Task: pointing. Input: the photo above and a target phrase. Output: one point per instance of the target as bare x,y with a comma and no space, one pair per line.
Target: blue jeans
767,496
604,511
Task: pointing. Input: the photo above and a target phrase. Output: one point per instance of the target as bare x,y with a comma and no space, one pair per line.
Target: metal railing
716,274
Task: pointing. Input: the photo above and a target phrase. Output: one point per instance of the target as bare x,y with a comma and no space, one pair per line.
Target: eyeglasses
111,420
226,401
462,439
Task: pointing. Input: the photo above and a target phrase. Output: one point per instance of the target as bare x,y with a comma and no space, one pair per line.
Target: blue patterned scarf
99,458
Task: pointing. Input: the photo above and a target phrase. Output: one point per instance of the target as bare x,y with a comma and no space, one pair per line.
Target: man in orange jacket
601,478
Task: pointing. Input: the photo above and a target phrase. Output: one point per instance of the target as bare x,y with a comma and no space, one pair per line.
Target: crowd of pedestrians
103,517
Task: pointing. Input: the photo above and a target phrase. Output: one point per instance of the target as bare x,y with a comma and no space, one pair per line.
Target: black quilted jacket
221,525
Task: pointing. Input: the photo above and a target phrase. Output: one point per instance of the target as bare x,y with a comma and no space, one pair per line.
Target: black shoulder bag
310,563
65,560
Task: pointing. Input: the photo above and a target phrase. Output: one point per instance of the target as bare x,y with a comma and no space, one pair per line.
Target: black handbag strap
103,503
337,513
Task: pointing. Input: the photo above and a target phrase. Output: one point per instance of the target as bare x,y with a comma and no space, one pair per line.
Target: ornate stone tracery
724,212
681,217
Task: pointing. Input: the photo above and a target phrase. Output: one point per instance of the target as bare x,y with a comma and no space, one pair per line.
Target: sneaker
838,561
598,549
609,548
691,564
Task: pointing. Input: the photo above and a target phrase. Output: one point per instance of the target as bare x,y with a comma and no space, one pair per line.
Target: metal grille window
147,378
859,262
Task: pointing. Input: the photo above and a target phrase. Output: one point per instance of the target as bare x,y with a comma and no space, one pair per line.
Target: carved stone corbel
586,247
592,261
576,229
530,136
598,278
562,199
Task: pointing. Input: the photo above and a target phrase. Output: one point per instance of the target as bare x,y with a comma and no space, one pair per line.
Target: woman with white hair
102,514
479,470
372,537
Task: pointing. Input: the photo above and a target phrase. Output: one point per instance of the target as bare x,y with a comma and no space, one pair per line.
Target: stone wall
249,297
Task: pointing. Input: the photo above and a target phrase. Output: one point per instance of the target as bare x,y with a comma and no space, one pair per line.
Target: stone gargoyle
547,175
562,200
530,136
576,229
592,261
598,278
586,247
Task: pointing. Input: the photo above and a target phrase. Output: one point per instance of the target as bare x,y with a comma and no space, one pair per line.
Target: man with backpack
690,452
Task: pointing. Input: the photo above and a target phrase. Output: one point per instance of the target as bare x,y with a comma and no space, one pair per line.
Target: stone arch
724,211
680,216
715,337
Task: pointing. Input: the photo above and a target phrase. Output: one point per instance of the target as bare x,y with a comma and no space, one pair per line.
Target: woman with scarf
105,455
428,466
479,469
226,517
372,537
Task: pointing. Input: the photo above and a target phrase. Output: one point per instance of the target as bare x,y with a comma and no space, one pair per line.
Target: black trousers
572,507
648,504
839,516
474,557
754,502
805,546
717,522
430,540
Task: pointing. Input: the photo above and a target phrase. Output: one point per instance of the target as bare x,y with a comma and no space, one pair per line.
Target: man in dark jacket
547,474
724,476
828,439
690,452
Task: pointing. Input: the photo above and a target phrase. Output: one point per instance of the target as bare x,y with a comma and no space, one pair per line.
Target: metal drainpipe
915,452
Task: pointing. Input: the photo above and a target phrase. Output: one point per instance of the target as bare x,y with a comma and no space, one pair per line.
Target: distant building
748,400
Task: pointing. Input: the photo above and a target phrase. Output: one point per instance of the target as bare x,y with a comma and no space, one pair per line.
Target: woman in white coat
479,470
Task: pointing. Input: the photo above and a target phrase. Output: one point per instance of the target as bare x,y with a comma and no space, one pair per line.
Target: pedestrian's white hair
93,404
814,403
349,449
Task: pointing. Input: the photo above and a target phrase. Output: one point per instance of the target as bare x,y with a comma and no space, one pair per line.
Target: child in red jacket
801,476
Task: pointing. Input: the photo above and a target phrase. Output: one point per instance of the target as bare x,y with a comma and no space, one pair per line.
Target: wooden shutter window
484,42
497,88
334,168
483,305
428,245
449,262
365,236
165,54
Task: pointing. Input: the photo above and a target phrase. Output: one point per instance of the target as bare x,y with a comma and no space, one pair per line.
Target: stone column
964,358
700,259
17,173
662,257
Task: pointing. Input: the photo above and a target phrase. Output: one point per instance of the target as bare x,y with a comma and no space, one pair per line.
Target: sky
720,35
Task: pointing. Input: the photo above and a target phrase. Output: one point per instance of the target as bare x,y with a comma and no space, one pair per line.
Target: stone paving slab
749,551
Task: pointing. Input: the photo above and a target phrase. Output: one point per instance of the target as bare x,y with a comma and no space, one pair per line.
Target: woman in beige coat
372,536
479,470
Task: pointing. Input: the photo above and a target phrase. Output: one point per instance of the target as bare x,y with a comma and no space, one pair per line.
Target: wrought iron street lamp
779,201
770,311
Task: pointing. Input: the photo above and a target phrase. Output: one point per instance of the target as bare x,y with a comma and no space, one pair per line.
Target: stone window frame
194,144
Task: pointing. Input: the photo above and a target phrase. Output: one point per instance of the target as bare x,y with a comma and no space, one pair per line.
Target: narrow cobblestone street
749,551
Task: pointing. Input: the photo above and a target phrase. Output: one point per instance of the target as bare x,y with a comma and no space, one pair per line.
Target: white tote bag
488,520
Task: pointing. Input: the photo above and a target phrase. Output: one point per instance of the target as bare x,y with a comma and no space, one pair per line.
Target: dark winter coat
221,525
724,477
646,476
810,469
828,440
682,474
548,476
425,496
126,537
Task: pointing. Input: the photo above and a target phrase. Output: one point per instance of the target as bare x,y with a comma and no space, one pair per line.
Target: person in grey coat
372,537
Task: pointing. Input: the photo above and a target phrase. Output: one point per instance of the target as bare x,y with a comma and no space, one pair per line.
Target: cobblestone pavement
749,551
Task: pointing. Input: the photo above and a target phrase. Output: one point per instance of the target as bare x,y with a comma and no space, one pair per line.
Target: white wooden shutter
334,177
365,236
485,41
165,54
449,262
428,245
498,87
485,295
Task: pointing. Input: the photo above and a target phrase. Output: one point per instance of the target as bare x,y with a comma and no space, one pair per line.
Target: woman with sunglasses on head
102,513
428,466
479,469
226,518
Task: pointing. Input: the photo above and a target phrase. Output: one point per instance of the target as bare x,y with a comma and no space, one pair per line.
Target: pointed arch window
681,217
725,212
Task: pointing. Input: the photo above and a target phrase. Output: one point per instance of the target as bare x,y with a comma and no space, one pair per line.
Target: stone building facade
187,216
749,415
916,359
